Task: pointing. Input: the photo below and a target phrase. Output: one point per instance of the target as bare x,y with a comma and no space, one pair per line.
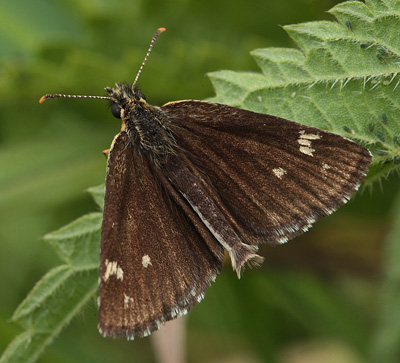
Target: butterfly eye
116,110
141,95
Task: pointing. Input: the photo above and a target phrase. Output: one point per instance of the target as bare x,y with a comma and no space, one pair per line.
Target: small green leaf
97,194
51,305
78,243
42,291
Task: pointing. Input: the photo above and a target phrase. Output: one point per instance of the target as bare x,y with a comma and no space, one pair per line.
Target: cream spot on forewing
305,142
303,135
146,261
306,150
128,301
325,166
112,268
279,172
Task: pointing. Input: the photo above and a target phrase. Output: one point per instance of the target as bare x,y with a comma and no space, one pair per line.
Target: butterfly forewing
272,177
157,258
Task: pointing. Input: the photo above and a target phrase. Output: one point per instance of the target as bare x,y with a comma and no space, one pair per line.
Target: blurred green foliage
324,287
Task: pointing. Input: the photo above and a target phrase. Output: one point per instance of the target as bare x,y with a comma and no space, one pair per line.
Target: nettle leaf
344,78
97,194
49,307
63,291
78,242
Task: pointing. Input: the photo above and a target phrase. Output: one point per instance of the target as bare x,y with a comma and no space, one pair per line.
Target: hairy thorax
145,124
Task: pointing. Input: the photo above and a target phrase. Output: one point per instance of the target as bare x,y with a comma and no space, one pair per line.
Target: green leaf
344,79
97,194
78,243
62,292
50,306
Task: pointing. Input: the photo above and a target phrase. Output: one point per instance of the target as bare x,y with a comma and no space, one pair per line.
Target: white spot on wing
303,135
279,172
306,150
112,268
305,142
120,273
128,301
146,261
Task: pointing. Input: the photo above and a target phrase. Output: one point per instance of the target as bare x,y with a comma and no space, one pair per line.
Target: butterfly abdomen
192,189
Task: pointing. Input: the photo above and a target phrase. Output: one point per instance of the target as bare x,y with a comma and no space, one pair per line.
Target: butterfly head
123,96
144,123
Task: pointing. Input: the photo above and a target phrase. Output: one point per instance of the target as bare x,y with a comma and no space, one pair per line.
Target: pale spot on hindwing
325,167
305,142
146,261
112,268
279,172
128,301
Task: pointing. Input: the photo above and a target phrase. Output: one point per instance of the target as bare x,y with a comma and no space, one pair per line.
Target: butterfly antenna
59,95
153,40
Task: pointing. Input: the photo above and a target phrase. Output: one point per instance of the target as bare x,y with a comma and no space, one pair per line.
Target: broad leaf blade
62,292
78,243
97,194
55,300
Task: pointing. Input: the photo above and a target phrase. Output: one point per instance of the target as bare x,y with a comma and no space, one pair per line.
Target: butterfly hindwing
157,258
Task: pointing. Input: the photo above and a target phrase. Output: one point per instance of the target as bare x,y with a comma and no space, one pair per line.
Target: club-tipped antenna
59,95
153,40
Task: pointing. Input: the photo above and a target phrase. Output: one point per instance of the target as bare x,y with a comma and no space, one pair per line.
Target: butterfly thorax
145,124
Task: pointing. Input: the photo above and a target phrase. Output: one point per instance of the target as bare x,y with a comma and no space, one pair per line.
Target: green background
318,294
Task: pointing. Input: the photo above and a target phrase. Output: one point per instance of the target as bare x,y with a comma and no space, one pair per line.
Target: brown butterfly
191,179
